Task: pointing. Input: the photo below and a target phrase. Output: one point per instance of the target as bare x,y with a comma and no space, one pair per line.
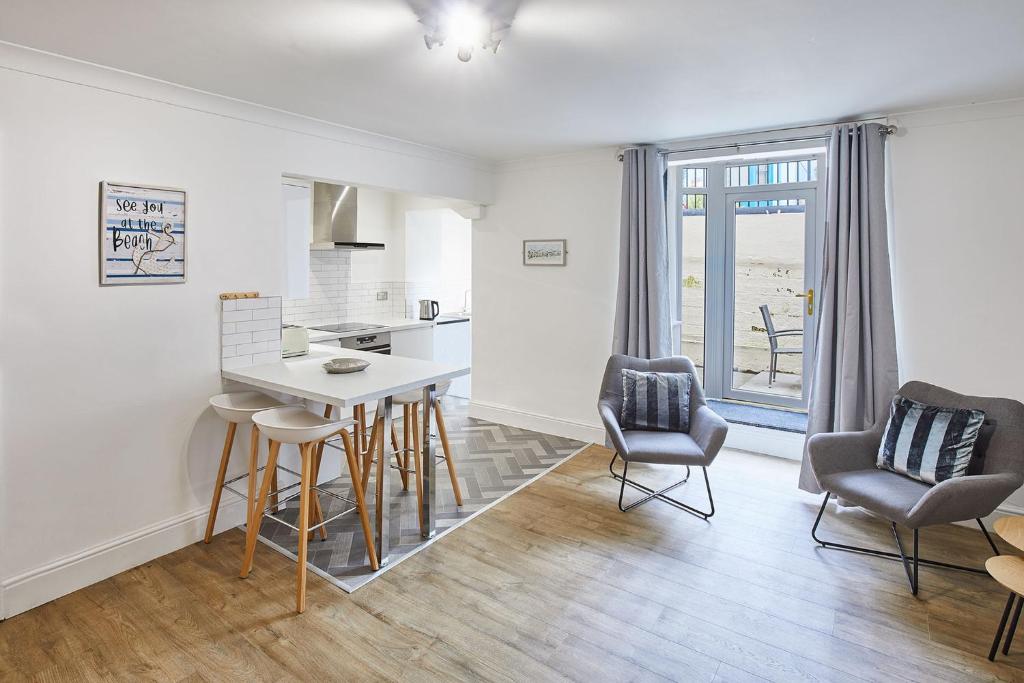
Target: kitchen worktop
304,377
390,325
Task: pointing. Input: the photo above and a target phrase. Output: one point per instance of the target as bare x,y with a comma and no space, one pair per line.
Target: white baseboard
788,445
493,412
40,585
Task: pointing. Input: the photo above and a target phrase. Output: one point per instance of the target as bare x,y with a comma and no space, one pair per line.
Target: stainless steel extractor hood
335,218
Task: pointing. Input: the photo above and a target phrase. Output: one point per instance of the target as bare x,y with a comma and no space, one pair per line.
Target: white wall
108,448
958,244
542,335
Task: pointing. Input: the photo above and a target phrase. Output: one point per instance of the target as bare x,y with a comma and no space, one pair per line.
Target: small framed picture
142,234
544,252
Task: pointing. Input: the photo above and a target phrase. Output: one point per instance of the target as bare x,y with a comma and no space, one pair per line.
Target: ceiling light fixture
465,24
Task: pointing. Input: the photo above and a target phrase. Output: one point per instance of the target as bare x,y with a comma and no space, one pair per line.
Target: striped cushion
658,401
929,443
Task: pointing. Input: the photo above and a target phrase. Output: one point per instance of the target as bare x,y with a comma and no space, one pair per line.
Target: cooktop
346,327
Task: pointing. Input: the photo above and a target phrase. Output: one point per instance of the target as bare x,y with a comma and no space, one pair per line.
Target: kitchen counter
390,325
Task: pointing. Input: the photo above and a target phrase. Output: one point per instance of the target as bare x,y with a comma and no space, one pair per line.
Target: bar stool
410,402
238,408
296,425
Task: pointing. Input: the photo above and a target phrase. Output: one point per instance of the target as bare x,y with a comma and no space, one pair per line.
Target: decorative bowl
342,366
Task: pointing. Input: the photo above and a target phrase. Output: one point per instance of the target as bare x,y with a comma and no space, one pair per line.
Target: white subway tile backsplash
236,316
250,331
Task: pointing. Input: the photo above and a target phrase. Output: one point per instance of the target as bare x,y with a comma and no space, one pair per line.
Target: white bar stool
238,408
410,402
296,425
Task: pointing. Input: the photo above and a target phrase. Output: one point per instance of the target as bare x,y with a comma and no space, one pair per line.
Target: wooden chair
296,425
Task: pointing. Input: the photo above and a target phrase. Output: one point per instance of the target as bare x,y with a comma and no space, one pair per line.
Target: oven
377,342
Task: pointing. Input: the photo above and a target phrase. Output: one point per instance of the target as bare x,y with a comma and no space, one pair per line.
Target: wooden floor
554,583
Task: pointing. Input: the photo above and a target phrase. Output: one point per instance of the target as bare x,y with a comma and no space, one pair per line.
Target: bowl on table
343,366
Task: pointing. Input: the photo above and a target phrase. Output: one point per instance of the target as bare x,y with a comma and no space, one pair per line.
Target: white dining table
386,377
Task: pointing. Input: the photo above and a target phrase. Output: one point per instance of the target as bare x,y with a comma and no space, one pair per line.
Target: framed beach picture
544,252
142,234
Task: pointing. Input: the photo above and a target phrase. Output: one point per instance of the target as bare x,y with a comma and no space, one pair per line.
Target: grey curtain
642,322
855,366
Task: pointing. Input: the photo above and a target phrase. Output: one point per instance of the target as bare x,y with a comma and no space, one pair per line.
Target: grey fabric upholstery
707,429
844,464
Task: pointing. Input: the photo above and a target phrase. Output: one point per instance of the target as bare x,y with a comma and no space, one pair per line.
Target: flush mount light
465,24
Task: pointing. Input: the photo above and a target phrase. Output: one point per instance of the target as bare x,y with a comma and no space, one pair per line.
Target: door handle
809,295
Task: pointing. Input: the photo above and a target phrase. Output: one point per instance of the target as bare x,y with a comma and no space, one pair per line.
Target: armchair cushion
658,401
667,448
929,443
885,493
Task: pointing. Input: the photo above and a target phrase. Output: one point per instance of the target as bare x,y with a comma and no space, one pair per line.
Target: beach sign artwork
142,234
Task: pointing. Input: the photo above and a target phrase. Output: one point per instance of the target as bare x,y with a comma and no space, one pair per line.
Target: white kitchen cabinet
297,219
453,344
414,343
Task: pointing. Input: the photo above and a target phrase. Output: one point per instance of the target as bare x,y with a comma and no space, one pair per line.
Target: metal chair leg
909,565
660,495
1002,627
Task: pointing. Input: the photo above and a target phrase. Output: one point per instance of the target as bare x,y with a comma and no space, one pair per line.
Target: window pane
693,177
694,214
769,278
772,173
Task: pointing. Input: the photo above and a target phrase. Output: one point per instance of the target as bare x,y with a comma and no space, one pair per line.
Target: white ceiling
571,73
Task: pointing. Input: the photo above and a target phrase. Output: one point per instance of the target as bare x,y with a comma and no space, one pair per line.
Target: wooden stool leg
400,457
442,431
254,464
274,486
316,510
300,579
417,455
253,530
357,489
368,453
225,456
316,513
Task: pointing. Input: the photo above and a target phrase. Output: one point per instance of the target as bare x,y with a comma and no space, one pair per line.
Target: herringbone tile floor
491,460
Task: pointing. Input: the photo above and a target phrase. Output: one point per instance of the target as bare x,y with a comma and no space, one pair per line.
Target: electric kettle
429,309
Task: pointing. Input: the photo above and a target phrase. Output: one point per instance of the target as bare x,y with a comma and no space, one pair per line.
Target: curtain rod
885,130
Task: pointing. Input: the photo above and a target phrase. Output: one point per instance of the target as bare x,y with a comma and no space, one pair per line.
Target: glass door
771,271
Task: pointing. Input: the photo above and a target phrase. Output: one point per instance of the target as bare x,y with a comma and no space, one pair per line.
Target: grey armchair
697,449
844,465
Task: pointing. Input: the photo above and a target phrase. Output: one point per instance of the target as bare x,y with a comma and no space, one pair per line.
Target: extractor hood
335,218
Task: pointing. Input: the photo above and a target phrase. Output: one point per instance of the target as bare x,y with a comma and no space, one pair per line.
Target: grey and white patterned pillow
655,401
929,443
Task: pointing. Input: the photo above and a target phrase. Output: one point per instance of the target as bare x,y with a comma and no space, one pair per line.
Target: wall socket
382,295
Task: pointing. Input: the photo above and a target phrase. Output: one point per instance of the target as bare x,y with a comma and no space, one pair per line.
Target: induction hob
347,327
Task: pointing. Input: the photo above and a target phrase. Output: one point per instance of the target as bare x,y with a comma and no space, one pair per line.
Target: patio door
771,276
746,252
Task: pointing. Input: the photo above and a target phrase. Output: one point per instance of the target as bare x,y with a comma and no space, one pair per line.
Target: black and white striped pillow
929,443
655,401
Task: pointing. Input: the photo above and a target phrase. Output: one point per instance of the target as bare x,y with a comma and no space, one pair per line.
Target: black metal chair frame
660,495
773,343
912,574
